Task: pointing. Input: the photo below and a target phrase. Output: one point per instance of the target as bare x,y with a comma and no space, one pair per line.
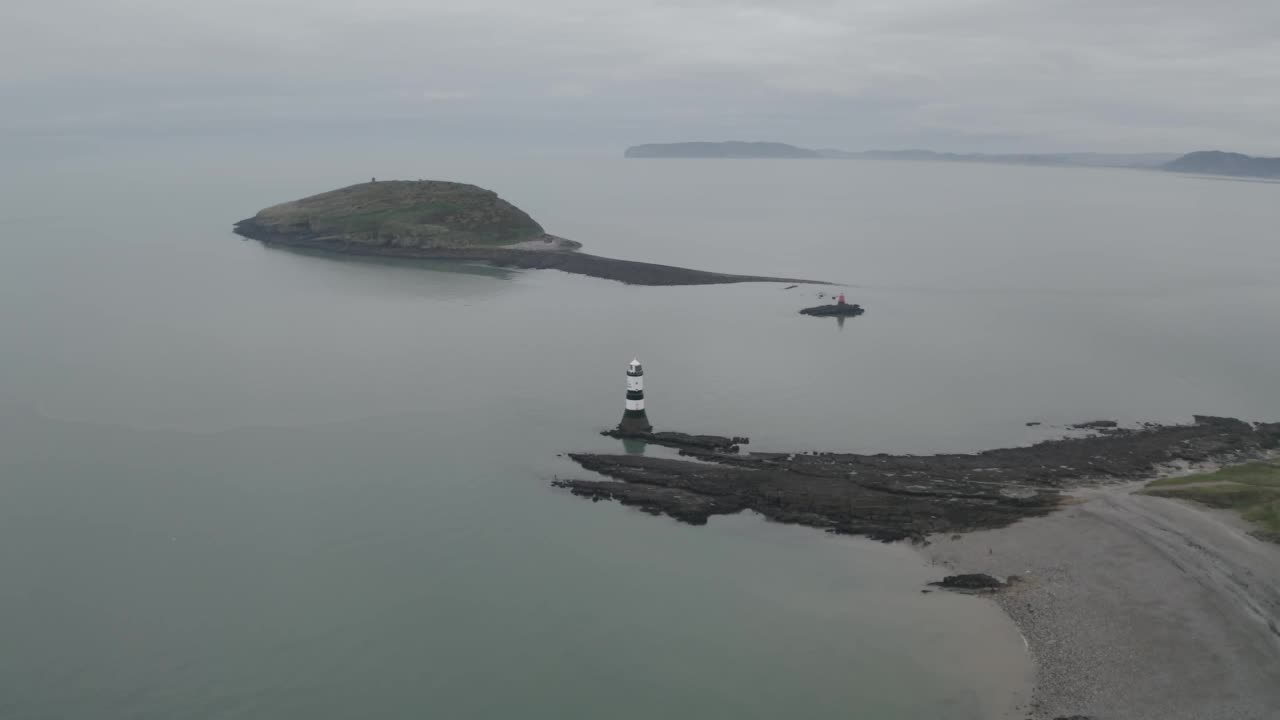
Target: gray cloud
956,74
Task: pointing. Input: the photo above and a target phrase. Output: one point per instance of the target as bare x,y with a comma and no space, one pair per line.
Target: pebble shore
1137,607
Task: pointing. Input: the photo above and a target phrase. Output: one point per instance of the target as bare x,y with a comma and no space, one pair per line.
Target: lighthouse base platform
633,422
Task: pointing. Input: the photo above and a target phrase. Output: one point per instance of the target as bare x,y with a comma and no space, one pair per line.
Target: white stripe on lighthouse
635,404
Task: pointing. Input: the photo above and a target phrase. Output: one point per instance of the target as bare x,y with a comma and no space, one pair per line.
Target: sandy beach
1137,607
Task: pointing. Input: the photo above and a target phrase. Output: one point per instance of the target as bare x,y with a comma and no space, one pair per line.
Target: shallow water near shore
244,482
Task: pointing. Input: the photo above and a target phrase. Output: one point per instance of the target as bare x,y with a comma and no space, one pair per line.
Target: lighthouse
634,419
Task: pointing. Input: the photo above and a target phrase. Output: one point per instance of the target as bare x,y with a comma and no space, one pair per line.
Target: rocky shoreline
1132,606
907,497
562,255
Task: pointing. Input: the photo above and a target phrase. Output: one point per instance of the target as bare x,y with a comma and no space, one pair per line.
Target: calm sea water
238,482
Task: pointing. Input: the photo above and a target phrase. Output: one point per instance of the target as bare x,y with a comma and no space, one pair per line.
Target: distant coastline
721,150
1214,162
1201,162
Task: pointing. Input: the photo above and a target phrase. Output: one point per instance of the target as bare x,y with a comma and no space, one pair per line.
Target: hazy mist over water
994,294
245,482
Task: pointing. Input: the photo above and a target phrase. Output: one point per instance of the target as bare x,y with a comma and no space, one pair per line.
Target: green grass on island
1252,489
404,213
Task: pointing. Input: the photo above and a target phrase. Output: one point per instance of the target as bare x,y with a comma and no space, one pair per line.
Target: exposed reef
834,310
684,441
896,497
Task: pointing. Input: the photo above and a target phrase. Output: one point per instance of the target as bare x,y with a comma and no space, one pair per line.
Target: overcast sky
947,74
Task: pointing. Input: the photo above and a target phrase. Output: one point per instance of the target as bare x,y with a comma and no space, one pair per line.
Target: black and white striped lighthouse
634,420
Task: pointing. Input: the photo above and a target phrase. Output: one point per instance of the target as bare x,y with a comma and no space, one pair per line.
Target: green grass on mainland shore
1255,473
1252,489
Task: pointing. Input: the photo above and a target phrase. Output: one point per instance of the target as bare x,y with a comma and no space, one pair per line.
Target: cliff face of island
1214,162
439,220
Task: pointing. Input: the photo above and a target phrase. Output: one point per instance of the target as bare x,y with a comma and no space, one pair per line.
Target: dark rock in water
1034,424
972,581
683,441
834,310
899,497
1096,425
686,507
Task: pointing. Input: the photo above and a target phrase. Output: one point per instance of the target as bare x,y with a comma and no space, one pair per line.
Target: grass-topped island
440,220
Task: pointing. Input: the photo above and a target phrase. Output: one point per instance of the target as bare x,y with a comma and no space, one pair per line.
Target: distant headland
440,220
729,149
1215,162
1204,162
737,149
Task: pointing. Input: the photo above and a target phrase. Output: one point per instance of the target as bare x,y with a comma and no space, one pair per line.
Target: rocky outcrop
683,441
834,310
972,582
1096,425
896,497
